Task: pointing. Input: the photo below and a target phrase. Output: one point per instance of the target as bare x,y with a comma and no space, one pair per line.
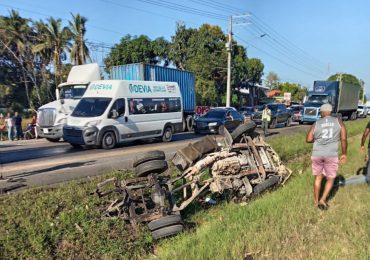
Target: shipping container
147,72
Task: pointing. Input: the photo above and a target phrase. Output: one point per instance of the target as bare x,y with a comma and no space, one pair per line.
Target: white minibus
114,111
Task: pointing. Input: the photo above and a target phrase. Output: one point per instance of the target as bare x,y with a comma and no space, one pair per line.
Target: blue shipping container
147,72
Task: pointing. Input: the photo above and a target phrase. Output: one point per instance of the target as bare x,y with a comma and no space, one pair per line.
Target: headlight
212,124
62,121
93,123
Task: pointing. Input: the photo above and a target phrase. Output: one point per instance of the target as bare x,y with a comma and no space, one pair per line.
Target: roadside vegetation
65,221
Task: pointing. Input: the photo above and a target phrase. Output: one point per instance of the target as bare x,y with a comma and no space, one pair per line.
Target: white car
362,111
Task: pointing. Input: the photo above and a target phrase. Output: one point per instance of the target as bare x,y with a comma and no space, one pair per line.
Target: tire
148,156
300,122
108,140
167,134
243,128
164,222
167,231
273,123
189,123
288,122
146,168
53,140
273,180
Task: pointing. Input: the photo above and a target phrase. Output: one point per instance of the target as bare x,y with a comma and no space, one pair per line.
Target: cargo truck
147,72
342,96
52,116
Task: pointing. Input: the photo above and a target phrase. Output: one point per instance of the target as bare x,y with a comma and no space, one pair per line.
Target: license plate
45,130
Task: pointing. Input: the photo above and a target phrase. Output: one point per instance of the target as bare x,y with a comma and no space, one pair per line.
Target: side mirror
114,114
62,101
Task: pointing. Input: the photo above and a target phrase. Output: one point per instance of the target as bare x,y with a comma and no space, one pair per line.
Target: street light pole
229,49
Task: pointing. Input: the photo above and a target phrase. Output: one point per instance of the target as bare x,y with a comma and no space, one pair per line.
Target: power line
276,58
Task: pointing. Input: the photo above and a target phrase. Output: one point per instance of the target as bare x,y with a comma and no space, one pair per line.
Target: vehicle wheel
53,140
189,123
273,180
75,145
300,122
273,123
148,156
164,222
247,128
167,134
157,166
221,130
108,140
288,122
167,231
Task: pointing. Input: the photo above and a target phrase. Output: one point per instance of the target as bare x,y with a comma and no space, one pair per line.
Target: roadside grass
65,221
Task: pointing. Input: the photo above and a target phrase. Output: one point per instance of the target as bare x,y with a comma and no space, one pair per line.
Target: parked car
279,114
296,111
247,111
216,119
362,111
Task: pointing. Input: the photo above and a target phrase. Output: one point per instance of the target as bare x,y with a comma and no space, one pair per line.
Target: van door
117,118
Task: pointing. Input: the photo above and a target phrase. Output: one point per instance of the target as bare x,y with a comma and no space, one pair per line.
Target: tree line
34,57
199,50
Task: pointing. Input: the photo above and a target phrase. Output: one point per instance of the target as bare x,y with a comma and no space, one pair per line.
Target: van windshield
72,91
91,107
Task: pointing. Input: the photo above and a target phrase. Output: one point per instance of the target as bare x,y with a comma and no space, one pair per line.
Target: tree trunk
27,90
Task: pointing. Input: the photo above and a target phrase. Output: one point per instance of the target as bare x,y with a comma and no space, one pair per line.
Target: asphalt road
39,162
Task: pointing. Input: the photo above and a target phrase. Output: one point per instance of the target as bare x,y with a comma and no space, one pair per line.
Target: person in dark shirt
18,126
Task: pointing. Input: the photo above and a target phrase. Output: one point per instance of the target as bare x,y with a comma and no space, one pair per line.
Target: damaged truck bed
236,167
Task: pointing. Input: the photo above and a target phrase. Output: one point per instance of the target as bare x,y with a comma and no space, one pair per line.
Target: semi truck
342,96
52,116
147,72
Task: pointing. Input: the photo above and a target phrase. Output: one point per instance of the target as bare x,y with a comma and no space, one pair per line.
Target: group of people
12,124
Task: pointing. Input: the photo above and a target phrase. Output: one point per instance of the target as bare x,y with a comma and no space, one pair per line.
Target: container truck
147,72
52,116
342,96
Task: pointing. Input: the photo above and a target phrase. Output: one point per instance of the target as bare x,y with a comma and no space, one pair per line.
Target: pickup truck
279,114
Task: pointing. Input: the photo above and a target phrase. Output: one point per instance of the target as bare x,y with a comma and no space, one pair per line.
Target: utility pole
229,49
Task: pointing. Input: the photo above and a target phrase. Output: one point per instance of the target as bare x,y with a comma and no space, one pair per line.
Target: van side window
153,105
119,106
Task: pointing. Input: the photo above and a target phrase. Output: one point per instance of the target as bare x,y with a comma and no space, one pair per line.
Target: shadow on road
54,168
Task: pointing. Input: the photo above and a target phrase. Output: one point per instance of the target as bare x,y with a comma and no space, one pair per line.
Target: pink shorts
327,166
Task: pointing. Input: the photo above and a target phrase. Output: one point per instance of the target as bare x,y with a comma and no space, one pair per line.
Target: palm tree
79,51
56,39
15,40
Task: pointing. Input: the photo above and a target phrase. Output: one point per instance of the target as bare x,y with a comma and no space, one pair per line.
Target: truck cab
52,116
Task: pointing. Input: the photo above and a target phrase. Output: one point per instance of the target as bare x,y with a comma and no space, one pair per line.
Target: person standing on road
9,125
363,140
2,126
325,134
266,118
18,126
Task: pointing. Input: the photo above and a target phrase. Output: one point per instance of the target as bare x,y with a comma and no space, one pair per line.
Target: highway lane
39,162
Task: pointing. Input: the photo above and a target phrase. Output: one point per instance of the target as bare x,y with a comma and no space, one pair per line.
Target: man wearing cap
326,134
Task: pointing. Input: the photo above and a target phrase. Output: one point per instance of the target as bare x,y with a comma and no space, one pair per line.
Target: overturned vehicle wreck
235,167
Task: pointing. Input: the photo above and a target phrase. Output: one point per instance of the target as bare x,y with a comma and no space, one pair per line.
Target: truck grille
310,111
72,132
46,117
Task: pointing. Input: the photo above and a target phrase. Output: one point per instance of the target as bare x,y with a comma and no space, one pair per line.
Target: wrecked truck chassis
239,170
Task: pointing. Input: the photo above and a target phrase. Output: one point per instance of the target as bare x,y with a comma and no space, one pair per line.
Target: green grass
65,222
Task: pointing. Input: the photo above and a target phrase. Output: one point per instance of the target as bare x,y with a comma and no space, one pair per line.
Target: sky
301,41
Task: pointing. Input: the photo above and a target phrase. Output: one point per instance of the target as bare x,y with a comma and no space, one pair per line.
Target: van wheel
288,122
108,140
167,134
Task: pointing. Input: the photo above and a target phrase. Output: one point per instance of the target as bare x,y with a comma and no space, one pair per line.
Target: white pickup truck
52,116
